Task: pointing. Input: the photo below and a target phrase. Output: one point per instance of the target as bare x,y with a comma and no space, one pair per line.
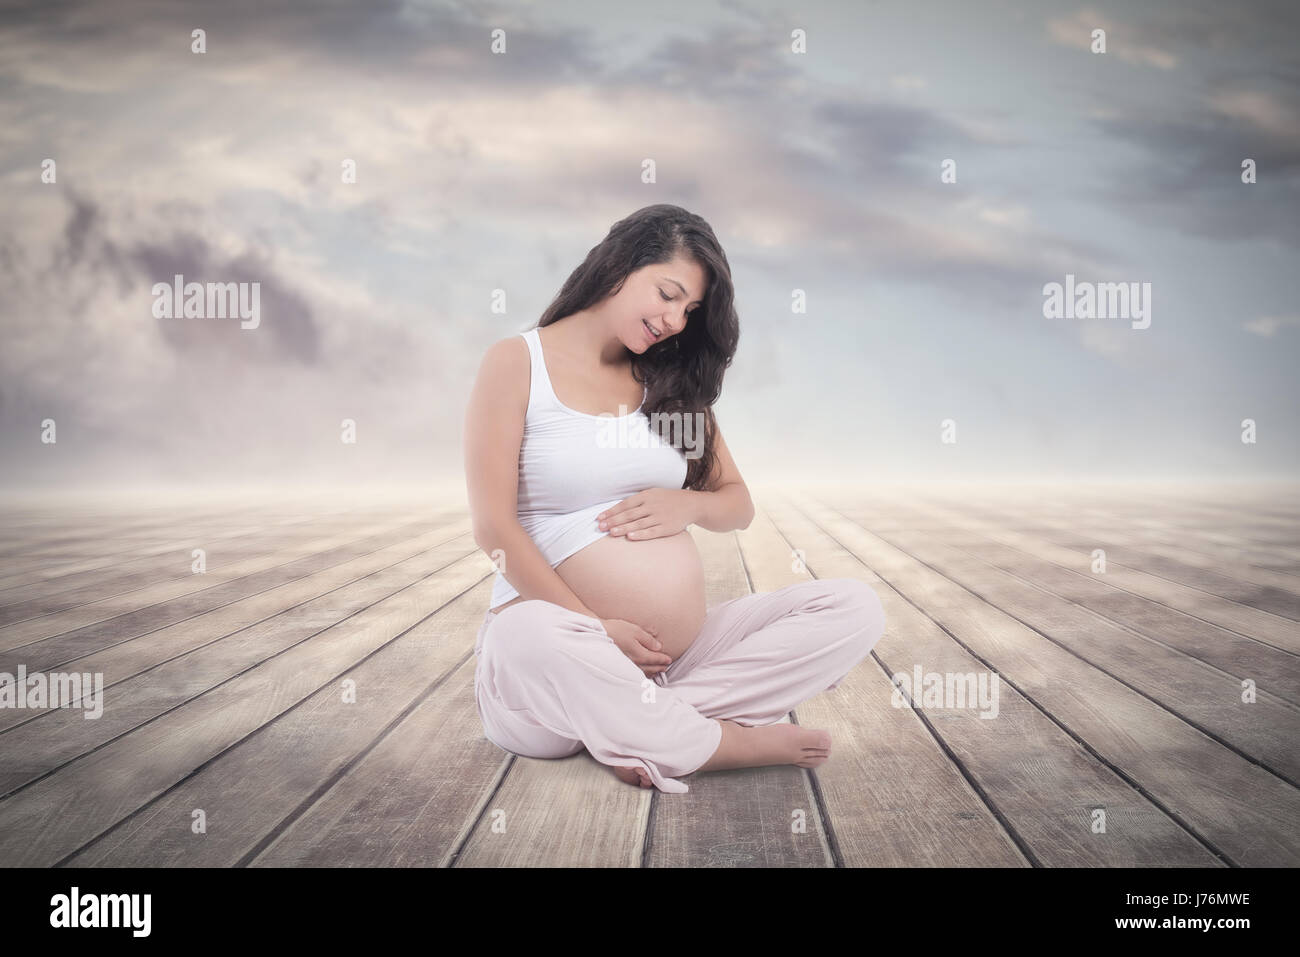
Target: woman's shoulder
505,370
509,354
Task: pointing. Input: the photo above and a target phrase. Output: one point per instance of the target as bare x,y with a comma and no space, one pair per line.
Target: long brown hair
684,373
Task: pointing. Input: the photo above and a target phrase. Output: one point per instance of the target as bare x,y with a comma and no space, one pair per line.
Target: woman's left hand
653,513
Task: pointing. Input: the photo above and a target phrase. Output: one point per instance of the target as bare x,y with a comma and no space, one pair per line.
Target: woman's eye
665,298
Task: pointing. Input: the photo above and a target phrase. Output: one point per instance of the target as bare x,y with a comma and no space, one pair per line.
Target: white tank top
574,465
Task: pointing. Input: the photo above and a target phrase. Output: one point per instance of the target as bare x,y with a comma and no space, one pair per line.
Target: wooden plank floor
308,697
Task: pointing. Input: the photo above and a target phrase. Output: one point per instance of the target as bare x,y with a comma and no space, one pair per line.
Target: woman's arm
727,505
494,429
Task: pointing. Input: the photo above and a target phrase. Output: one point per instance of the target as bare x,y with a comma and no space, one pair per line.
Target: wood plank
45,740
1208,698
1170,545
83,799
566,812
1242,619
386,781
132,573
1249,518
1217,544
48,641
1034,783
1228,651
917,809
1159,521
60,533
79,568
1242,812
1166,556
103,548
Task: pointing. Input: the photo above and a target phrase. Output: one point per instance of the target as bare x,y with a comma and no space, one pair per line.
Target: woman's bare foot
633,776
745,747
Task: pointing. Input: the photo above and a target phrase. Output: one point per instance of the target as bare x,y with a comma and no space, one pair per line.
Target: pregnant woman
597,634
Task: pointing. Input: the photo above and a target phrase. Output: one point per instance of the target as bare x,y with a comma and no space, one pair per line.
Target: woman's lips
650,335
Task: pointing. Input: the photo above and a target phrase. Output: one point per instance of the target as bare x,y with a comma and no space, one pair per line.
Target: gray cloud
1237,70
291,332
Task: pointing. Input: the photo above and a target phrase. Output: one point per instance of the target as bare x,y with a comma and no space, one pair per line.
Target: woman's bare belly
656,582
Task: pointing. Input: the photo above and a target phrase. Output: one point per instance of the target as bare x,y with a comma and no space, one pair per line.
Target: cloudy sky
818,171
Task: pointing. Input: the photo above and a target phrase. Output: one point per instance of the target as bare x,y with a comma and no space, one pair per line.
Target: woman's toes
634,776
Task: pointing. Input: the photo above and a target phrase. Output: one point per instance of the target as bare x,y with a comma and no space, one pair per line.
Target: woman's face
658,299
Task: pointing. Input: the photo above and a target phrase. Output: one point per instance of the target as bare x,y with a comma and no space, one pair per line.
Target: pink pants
550,681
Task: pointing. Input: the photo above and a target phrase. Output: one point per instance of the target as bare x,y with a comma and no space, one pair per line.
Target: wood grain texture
1120,693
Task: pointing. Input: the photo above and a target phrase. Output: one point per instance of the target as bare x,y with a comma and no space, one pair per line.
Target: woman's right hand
638,644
